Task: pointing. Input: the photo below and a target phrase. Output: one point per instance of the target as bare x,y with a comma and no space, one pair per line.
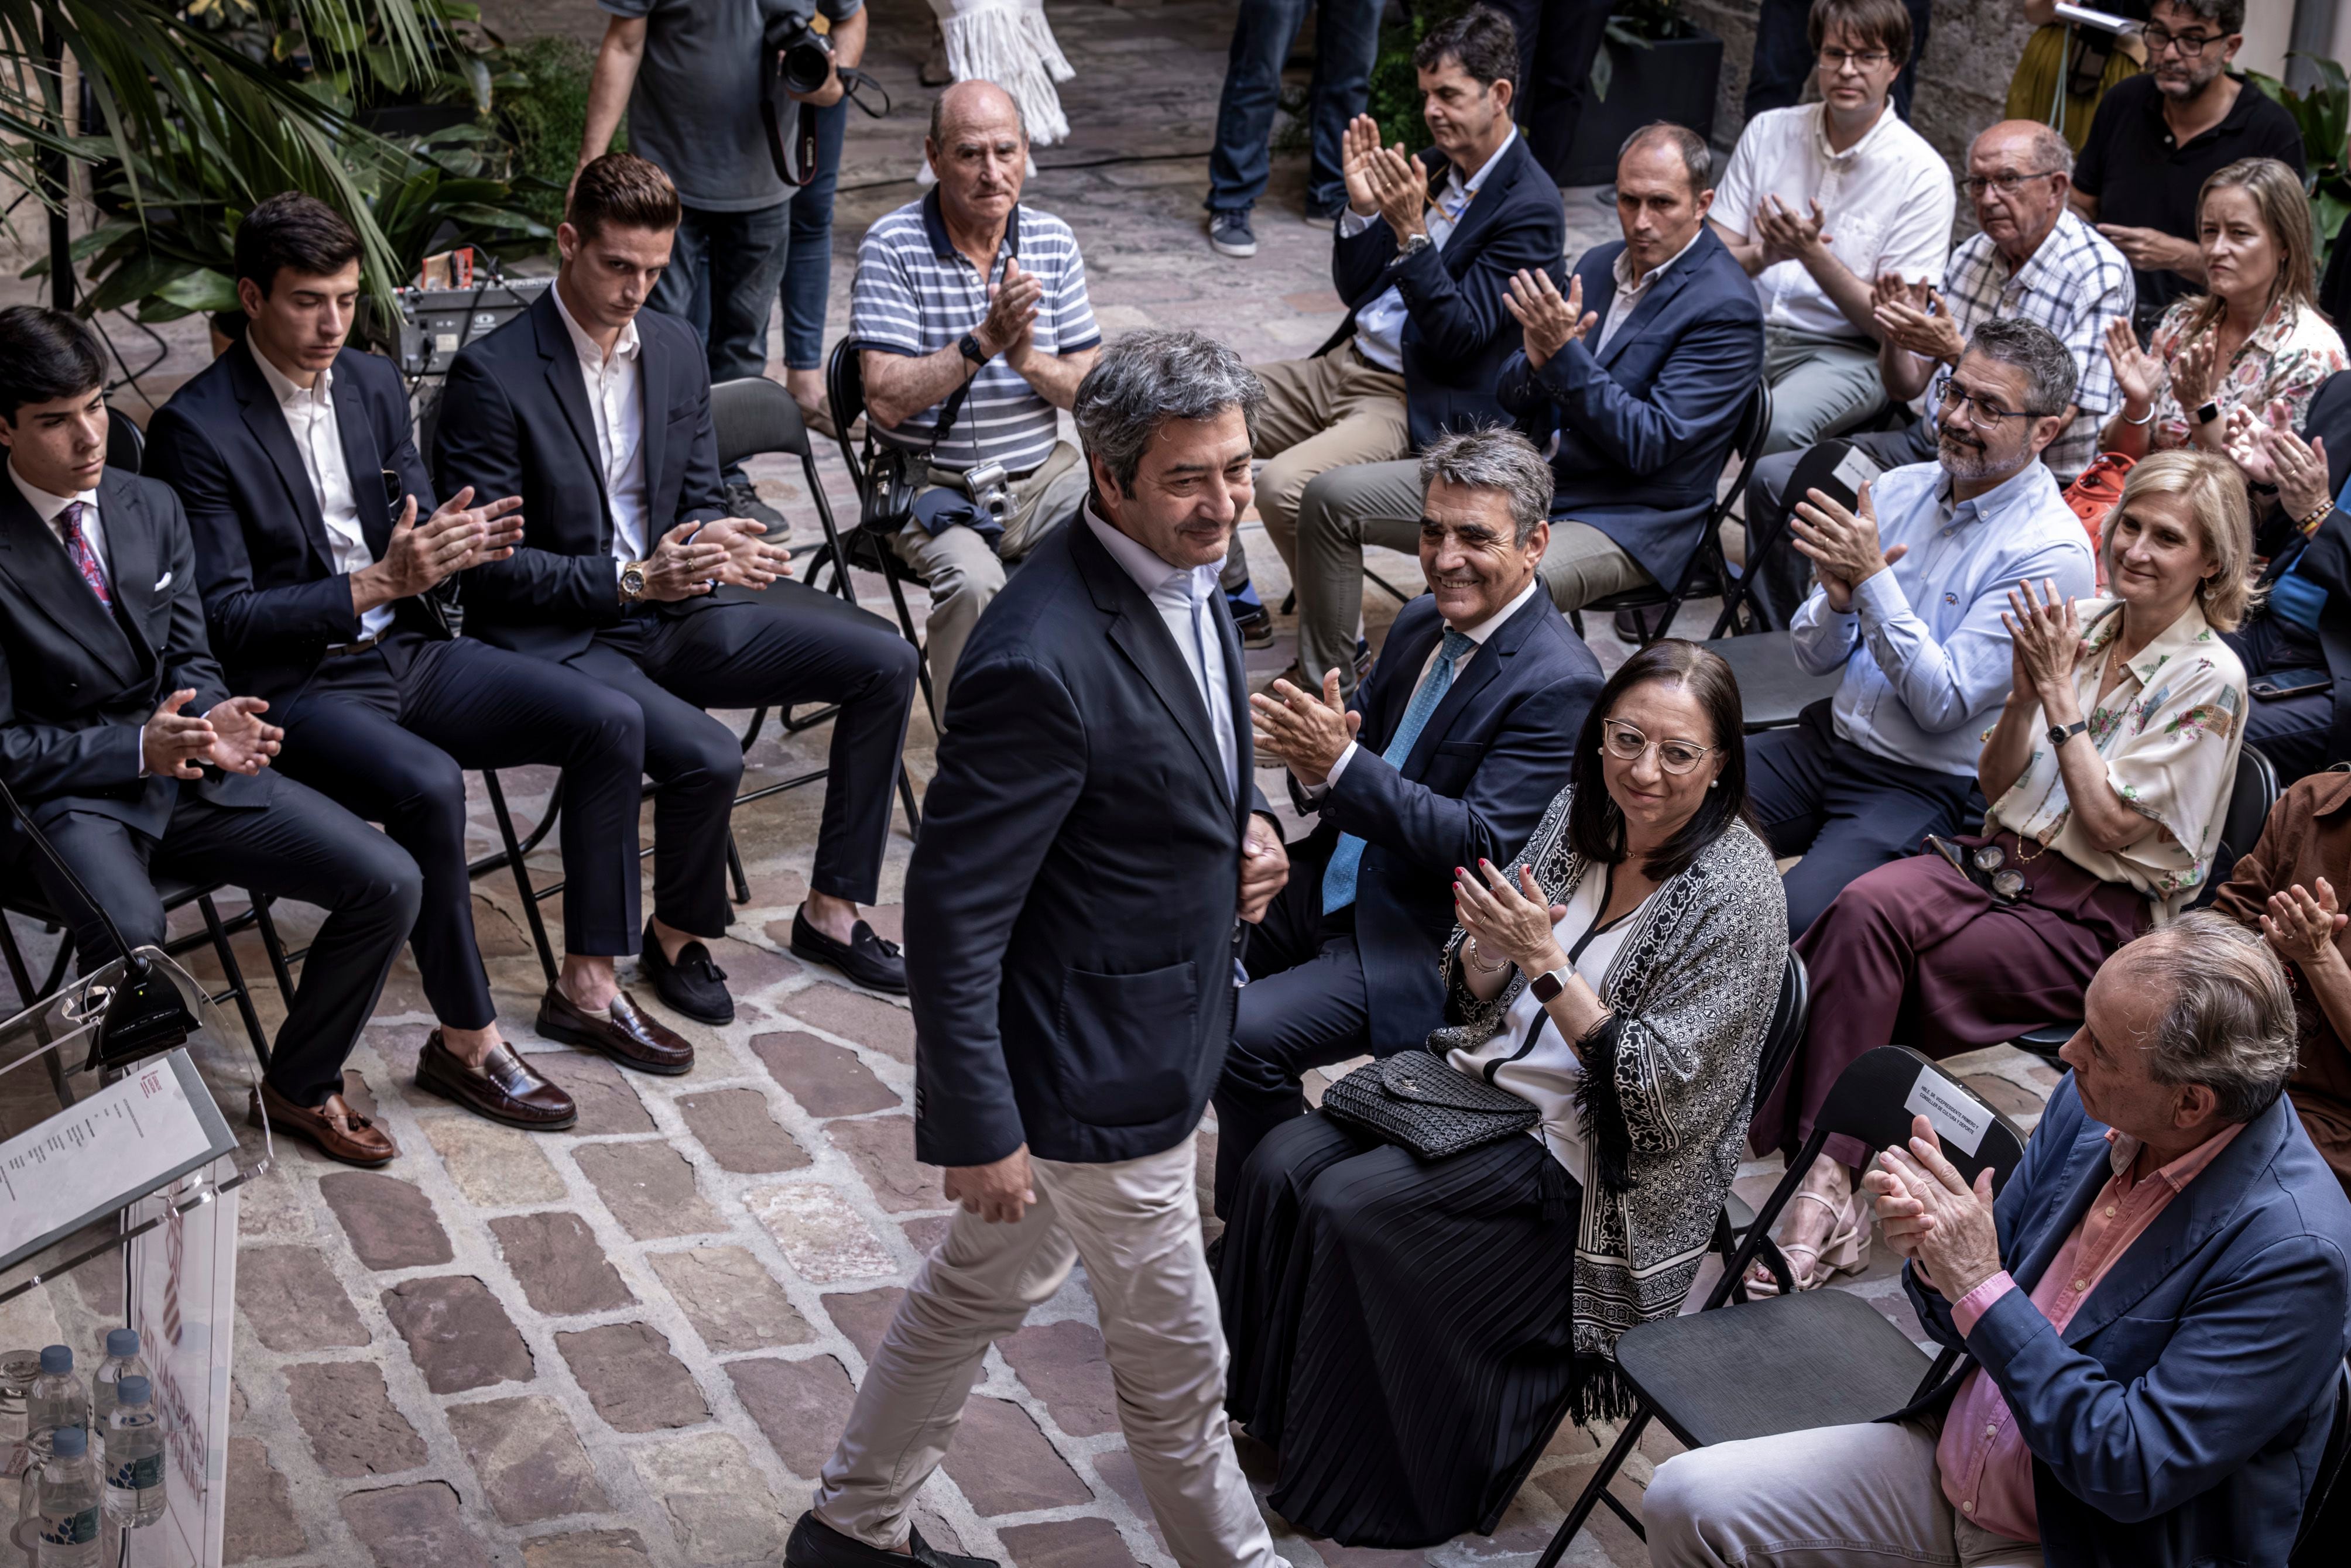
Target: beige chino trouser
1321,415
1137,1224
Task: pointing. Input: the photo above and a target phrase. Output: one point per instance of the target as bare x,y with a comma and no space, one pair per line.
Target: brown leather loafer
621,1032
335,1129
505,1089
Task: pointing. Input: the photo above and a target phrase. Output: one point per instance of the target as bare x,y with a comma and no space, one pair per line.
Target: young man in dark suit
596,412
1449,755
1095,850
118,734
325,566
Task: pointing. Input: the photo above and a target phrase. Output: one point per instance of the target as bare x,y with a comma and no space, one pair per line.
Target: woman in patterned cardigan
2109,772
1408,1333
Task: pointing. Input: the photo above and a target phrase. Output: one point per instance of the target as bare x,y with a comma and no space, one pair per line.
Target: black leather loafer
693,984
816,1544
872,961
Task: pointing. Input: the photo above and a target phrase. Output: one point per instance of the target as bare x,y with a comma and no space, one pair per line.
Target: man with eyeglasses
2031,259
2158,135
1912,586
1819,201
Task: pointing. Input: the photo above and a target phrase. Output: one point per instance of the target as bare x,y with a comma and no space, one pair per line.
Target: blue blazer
1456,332
514,421
2178,1419
273,600
1643,426
1070,926
1478,780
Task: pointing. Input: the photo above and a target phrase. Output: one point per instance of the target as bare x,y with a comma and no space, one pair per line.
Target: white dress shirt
616,405
1379,326
1184,598
1632,291
311,416
49,508
1477,635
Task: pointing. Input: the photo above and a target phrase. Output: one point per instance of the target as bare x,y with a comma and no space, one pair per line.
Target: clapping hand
1931,1216
175,744
2044,640
1393,178
242,743
495,526
2138,372
1011,317
1550,322
1265,868
1357,148
2301,928
1788,236
2193,377
1844,545
1508,922
1305,734
684,563
1920,323
750,561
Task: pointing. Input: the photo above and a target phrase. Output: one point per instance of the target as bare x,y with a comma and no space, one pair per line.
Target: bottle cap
55,1358
131,1391
69,1442
122,1342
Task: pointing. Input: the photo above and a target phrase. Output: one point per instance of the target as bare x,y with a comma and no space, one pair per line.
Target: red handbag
2093,495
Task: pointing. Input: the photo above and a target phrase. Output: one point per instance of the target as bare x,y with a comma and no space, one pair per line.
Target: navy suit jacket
514,421
2179,1418
1477,781
273,600
1456,332
77,683
1644,425
1070,932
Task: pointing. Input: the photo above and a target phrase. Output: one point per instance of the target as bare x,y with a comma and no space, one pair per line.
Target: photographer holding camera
693,75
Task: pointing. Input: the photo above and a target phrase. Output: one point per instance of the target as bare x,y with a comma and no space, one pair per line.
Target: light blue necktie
1339,876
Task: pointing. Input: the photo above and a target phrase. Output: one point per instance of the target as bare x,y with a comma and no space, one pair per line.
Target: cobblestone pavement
634,1343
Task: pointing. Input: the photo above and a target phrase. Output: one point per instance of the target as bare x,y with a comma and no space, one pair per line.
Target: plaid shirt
2073,285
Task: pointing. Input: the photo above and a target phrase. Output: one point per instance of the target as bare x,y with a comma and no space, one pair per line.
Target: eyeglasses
2006,184
1628,744
1834,61
2189,45
1982,413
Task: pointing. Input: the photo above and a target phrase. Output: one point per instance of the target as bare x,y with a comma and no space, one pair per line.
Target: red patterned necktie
85,558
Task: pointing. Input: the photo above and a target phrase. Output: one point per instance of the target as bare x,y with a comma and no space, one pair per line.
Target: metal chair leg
23,980
734,870
515,858
906,798
236,977
1595,1491
273,944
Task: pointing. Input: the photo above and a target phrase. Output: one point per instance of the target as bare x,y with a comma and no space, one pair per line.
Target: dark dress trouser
300,846
1844,810
389,732
792,645
2292,732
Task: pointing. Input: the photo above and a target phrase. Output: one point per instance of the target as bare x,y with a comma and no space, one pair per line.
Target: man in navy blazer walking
1448,753
1095,850
2153,1314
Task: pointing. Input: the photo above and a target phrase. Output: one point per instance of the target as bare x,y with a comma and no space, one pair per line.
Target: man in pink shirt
2154,1314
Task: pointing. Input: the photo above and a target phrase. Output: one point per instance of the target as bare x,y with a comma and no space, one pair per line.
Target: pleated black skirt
1400,1328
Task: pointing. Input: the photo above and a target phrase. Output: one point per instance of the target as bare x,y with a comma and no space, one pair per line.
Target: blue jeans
1346,38
808,264
1783,56
723,271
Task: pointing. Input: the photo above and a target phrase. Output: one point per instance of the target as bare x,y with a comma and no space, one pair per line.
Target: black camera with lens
799,59
803,56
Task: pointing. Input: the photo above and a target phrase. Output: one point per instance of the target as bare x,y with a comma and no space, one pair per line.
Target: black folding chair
126,444
1780,1042
1773,689
2252,796
1707,562
868,545
1719,1375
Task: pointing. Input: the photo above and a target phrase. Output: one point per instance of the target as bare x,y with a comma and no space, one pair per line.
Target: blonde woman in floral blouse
2258,338
2108,771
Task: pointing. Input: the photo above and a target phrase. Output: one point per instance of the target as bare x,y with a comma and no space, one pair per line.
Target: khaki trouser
1321,415
1820,386
1866,1496
1136,1224
965,574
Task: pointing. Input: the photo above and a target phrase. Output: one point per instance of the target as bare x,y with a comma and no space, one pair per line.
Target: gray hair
1148,377
2229,1023
2047,151
939,110
2050,373
1497,458
1698,158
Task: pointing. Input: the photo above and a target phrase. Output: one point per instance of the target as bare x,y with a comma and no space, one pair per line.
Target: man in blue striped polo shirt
971,321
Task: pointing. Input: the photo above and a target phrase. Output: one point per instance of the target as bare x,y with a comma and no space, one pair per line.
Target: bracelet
2148,420
2309,524
1476,957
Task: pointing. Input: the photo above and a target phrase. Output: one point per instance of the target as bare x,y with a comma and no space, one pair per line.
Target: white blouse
1547,1076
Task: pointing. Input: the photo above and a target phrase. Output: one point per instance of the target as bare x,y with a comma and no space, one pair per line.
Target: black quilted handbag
1418,1101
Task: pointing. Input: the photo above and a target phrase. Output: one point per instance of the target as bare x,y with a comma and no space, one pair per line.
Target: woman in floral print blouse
2257,337
2109,772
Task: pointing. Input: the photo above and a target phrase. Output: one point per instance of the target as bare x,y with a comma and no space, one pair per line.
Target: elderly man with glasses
1912,586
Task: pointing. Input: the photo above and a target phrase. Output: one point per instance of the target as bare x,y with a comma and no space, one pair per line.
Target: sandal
1845,1250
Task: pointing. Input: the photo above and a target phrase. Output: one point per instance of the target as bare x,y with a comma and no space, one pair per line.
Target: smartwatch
2059,734
633,582
969,344
1547,985
2206,413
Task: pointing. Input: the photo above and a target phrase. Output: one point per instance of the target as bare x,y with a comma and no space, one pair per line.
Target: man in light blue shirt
1908,603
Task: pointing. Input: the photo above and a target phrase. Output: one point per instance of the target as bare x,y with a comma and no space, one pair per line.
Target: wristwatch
2059,734
2205,413
969,344
1412,247
633,582
1547,985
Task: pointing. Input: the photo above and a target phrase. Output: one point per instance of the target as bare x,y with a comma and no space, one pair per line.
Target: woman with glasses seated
2108,771
1407,1333
2257,338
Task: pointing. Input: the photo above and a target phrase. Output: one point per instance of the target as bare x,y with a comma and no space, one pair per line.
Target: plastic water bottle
134,1458
122,1361
66,1533
57,1399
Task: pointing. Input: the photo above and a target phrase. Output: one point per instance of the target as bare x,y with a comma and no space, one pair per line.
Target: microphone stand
144,1014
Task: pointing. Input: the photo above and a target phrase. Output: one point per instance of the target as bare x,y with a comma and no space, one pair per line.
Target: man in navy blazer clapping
1447,755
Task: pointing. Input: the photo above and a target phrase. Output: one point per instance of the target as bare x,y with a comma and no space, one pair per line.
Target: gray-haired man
1093,851
1447,754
